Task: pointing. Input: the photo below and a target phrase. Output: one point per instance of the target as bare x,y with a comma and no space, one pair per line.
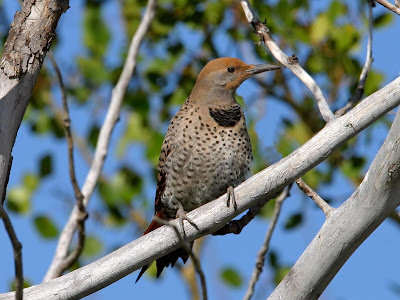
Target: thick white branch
348,226
103,142
215,214
27,43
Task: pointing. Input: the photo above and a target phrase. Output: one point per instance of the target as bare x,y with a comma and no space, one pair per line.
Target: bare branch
326,208
19,276
188,249
103,140
289,62
265,246
74,255
212,216
388,5
365,70
349,225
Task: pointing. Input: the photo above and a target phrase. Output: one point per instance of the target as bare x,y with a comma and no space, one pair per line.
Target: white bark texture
31,34
265,184
348,226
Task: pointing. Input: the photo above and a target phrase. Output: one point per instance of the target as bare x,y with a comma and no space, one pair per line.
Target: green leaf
31,181
96,34
373,83
383,19
273,259
45,226
231,277
294,221
93,246
352,168
45,165
320,28
268,209
93,70
18,199
27,283
280,274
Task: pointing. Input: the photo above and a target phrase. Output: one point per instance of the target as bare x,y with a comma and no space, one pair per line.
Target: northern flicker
207,150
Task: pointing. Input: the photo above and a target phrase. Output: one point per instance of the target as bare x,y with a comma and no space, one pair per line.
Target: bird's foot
230,197
181,214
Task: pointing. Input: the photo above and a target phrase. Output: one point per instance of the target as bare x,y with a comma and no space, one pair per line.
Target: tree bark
31,34
348,226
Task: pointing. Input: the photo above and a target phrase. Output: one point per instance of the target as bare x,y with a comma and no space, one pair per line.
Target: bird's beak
256,69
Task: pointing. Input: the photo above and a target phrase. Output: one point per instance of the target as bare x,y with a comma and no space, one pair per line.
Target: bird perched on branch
206,151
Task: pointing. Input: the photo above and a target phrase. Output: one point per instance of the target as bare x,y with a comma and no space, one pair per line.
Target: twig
326,208
103,140
289,62
365,70
80,142
390,6
3,197
265,247
19,276
82,215
395,216
188,249
236,226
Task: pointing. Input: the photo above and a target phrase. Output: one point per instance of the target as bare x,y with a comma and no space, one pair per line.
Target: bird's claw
181,214
230,197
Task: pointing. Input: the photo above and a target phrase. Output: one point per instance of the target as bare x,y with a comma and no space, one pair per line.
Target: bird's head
229,72
222,76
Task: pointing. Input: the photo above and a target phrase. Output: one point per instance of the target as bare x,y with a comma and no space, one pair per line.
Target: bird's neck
212,95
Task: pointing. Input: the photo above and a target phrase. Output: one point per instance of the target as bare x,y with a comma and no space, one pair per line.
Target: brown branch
290,62
390,6
326,208
74,255
188,249
265,247
19,276
365,70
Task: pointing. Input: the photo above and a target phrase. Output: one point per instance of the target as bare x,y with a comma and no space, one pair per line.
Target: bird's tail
166,260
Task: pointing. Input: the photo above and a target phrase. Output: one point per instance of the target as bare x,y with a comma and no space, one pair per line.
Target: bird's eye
231,69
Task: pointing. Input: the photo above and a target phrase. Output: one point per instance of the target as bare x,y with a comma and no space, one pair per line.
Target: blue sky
368,274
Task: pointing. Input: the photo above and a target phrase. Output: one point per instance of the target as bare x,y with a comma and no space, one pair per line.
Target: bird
207,150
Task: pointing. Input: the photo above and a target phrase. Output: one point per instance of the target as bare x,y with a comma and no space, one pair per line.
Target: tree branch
390,6
19,276
365,70
82,215
348,226
212,216
289,62
103,140
326,208
28,41
265,246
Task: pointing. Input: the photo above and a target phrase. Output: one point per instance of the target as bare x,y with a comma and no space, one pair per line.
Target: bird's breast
208,156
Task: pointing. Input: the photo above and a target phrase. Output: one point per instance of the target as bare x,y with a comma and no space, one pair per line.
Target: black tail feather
165,261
